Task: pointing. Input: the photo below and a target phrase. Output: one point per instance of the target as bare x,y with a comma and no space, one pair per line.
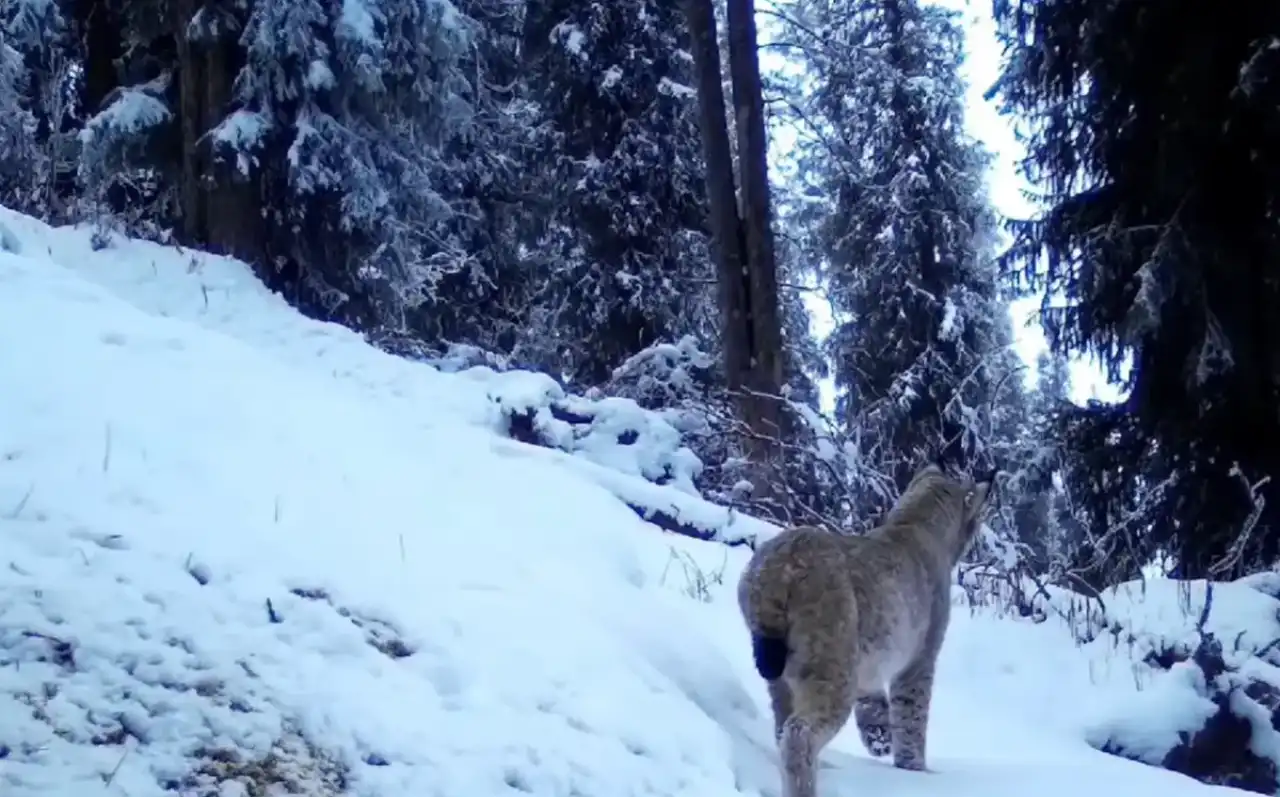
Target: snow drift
244,550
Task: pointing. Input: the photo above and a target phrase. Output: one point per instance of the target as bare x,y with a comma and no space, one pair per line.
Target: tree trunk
728,246
757,215
218,211
101,36
742,244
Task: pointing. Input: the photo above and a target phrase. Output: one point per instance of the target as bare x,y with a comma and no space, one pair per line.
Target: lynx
836,621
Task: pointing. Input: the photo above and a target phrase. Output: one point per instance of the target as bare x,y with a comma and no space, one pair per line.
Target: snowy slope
244,548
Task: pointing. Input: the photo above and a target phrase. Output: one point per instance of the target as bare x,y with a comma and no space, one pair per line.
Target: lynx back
847,626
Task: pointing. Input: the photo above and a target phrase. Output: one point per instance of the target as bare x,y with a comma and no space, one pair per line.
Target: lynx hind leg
872,715
817,718
780,699
909,697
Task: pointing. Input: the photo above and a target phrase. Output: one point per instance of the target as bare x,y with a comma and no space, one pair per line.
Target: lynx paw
910,763
876,739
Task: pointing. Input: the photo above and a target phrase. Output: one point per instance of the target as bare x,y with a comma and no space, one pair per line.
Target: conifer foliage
622,252
351,116
325,143
1152,132
16,124
37,106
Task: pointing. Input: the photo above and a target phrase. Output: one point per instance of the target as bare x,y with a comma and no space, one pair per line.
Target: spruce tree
903,227
1151,132
622,259
37,109
1035,498
17,127
359,156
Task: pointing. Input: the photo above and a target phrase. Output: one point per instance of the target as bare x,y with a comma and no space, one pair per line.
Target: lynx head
978,494
948,505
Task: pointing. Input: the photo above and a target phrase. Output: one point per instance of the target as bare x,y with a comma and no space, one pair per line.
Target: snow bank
1208,652
237,563
243,549
1193,667
219,294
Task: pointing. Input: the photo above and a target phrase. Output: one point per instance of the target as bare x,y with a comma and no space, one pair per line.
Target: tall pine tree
904,230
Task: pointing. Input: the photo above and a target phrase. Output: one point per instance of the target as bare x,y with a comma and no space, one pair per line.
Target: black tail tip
771,656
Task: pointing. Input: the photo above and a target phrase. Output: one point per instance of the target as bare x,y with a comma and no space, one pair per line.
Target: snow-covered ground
241,547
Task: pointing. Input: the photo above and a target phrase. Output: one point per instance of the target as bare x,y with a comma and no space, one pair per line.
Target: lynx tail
771,656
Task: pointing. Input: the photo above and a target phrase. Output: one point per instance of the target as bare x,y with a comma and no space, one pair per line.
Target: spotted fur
849,626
